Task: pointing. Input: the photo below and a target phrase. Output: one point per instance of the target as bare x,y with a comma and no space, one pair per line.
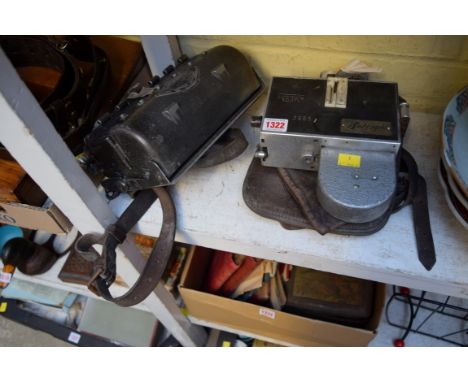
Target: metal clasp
84,247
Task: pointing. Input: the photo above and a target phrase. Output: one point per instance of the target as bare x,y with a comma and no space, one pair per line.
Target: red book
222,267
247,267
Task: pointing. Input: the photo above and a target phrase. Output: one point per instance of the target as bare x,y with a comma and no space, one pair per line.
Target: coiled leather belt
83,72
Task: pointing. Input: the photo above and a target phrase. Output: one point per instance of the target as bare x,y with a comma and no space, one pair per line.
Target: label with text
74,337
275,124
267,313
349,160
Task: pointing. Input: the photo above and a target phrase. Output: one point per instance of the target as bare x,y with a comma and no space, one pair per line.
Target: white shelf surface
212,213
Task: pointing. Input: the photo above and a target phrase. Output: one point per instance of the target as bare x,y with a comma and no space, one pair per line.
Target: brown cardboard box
267,323
24,204
49,219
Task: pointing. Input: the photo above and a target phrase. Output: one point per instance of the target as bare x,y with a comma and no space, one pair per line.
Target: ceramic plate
458,210
455,139
453,185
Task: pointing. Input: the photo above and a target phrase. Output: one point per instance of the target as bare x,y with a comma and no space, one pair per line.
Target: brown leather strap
105,264
303,201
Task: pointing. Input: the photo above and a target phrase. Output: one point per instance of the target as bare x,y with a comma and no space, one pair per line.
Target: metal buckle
91,286
84,247
104,265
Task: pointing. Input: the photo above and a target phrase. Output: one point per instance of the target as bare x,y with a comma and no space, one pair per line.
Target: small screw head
375,177
260,154
356,176
308,158
356,186
255,121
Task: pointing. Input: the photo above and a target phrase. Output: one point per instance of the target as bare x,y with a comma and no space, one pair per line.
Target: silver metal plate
302,151
366,127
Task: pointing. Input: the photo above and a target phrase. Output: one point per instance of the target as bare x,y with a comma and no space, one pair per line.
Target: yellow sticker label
226,344
3,307
349,160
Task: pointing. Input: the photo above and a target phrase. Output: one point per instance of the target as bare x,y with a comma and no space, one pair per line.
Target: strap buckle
104,265
104,272
92,282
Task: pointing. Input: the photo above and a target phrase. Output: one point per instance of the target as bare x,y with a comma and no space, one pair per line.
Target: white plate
455,139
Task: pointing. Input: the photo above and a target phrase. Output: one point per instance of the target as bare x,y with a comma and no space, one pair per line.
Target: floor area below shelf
14,334
453,329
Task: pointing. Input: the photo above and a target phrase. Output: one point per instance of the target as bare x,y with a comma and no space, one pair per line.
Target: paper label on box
5,277
267,313
74,337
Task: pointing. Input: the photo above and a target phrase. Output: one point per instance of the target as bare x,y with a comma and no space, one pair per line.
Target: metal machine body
347,130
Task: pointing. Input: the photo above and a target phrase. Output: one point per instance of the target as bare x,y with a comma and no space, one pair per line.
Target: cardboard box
267,323
49,219
27,205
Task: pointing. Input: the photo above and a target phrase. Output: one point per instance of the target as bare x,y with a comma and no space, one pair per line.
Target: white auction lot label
267,313
74,337
275,124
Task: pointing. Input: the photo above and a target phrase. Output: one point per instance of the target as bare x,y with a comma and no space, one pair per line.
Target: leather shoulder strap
417,196
105,264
